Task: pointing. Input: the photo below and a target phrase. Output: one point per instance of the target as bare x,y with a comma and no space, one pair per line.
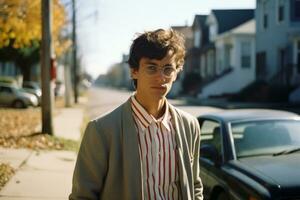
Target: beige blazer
108,164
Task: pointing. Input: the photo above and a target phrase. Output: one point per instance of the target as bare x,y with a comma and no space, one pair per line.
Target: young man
146,148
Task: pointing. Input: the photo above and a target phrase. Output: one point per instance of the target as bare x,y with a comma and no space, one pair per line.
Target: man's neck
156,107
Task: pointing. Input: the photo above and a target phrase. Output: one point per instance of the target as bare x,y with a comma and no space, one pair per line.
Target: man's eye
169,70
151,68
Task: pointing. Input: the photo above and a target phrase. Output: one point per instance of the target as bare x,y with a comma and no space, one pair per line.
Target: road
102,100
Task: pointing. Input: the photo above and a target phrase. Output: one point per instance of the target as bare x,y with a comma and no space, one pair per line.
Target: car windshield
268,137
31,85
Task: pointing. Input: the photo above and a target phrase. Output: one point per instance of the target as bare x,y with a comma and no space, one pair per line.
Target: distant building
119,74
278,41
126,78
9,69
192,72
227,59
188,34
200,40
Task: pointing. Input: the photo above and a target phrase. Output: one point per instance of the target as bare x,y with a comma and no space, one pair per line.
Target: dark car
250,154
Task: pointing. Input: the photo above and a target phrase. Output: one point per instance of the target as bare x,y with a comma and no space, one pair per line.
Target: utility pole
75,70
47,92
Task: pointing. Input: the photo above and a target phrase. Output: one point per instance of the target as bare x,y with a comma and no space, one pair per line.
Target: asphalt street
102,100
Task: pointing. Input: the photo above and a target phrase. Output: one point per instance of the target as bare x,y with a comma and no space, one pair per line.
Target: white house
234,55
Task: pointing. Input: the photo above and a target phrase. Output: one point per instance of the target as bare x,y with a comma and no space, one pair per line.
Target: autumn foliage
20,24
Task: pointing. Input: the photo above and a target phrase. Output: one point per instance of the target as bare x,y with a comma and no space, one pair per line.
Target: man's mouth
160,87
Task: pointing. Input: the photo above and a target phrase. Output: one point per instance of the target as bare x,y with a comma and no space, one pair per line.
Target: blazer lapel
179,136
132,163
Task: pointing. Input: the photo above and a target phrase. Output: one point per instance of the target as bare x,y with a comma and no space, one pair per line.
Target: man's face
155,77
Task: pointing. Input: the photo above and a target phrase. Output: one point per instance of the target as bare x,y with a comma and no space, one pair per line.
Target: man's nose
160,75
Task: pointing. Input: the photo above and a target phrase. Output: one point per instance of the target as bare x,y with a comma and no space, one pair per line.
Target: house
227,62
119,74
278,41
8,70
186,31
192,72
126,78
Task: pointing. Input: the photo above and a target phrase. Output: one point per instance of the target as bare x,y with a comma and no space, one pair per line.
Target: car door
210,135
6,95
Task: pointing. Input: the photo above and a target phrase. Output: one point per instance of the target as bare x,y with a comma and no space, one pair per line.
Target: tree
20,31
20,24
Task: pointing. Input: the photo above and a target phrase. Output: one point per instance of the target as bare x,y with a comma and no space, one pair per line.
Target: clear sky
106,28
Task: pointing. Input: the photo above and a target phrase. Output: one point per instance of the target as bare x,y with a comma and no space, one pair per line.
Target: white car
11,95
33,88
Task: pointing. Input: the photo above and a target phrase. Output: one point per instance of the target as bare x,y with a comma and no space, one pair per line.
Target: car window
210,134
6,90
265,137
28,86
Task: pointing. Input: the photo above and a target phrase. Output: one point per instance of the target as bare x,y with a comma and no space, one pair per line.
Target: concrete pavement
44,174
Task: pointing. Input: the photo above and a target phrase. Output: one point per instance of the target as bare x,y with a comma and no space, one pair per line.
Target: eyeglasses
167,71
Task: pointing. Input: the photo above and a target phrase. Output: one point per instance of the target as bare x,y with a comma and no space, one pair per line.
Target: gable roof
199,19
228,19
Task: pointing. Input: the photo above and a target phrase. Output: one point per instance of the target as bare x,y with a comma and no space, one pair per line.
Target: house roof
185,30
228,19
200,19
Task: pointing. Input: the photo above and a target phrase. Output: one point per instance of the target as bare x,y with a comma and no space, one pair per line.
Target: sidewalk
44,174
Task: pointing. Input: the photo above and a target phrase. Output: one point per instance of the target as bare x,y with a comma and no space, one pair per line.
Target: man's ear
133,73
179,69
174,78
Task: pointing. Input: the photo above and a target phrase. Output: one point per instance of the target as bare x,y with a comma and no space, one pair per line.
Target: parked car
250,154
33,88
11,95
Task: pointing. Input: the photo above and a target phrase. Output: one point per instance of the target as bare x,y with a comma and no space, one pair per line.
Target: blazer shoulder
110,123
109,117
185,115
190,122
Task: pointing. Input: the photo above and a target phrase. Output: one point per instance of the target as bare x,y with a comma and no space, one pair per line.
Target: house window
264,15
197,38
246,54
210,63
228,49
298,56
265,22
280,10
295,10
203,66
261,65
212,32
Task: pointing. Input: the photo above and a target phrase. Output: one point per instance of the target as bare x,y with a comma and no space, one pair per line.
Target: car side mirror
210,152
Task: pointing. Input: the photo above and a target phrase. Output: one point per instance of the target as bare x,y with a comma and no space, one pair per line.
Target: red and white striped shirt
157,146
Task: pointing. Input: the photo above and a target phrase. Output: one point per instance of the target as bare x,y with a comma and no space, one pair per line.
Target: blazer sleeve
91,165
198,187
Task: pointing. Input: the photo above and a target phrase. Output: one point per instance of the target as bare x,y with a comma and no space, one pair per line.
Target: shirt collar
146,119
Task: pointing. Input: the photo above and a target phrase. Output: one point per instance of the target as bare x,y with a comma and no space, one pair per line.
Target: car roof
7,85
250,114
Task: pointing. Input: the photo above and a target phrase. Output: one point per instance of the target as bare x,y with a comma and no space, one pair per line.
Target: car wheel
19,104
223,196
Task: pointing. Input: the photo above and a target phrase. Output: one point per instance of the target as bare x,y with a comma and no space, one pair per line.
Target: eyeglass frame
162,70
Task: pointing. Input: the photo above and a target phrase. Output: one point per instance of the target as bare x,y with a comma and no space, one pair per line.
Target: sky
106,28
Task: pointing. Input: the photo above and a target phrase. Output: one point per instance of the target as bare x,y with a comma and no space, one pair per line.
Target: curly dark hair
155,45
